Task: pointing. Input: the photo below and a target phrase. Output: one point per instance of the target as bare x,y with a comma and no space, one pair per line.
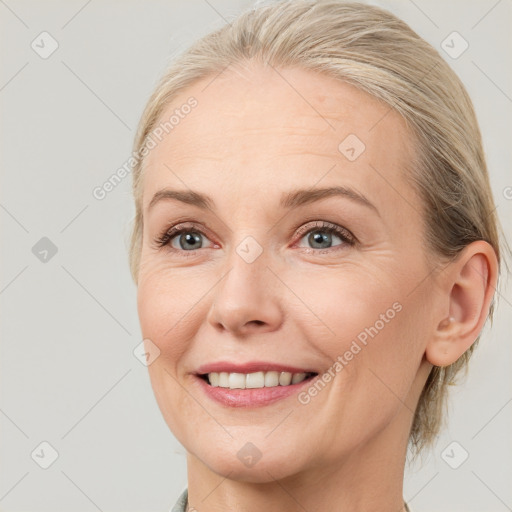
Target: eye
322,235
184,238
319,235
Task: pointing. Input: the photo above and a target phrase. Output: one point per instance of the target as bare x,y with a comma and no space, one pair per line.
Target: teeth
214,379
223,379
298,377
271,379
236,381
285,378
254,380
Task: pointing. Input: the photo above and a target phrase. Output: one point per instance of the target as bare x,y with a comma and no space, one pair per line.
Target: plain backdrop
69,326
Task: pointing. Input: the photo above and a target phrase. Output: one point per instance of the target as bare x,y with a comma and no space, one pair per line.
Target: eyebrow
289,200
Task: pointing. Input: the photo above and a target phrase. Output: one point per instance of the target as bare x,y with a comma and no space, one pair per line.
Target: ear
470,282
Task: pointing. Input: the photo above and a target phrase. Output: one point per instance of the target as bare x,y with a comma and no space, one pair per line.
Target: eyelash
346,236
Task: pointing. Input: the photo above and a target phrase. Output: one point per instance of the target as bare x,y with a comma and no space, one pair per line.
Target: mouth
251,384
255,380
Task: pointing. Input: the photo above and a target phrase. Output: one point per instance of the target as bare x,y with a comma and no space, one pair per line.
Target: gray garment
181,504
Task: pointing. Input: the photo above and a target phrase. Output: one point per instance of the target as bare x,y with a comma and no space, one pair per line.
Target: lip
250,367
252,397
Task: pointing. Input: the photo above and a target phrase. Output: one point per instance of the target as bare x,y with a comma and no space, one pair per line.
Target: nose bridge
246,297
248,261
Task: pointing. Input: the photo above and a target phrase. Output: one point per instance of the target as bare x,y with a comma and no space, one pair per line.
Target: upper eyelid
323,224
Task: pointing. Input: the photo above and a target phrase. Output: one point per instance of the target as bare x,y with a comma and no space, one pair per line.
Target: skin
252,138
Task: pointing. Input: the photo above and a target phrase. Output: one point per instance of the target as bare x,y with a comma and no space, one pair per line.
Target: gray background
69,325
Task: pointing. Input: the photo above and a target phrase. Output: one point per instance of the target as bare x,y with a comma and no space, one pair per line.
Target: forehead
264,129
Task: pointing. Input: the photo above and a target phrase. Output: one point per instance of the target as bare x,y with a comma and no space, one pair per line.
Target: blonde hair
375,51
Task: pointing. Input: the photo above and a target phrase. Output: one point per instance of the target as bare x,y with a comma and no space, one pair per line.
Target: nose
246,300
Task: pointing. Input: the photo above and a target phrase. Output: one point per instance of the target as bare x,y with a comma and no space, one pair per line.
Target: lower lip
255,397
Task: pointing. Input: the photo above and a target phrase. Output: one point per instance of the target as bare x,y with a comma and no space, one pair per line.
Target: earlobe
472,279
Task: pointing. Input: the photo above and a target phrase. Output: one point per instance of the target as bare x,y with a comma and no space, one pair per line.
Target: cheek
343,305
368,321
166,301
171,305
370,328
160,310
166,295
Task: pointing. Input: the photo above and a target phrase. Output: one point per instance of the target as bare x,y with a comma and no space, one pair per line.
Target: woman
316,252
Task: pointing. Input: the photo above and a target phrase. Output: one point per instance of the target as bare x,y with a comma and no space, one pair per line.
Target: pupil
318,237
191,238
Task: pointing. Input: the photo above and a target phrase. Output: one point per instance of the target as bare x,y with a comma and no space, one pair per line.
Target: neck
369,479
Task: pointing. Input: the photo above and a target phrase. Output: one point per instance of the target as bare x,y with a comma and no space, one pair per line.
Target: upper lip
249,367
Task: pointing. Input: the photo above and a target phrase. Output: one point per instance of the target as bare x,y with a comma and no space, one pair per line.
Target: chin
245,464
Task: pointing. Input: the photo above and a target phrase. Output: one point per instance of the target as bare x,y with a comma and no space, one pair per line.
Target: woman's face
278,280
